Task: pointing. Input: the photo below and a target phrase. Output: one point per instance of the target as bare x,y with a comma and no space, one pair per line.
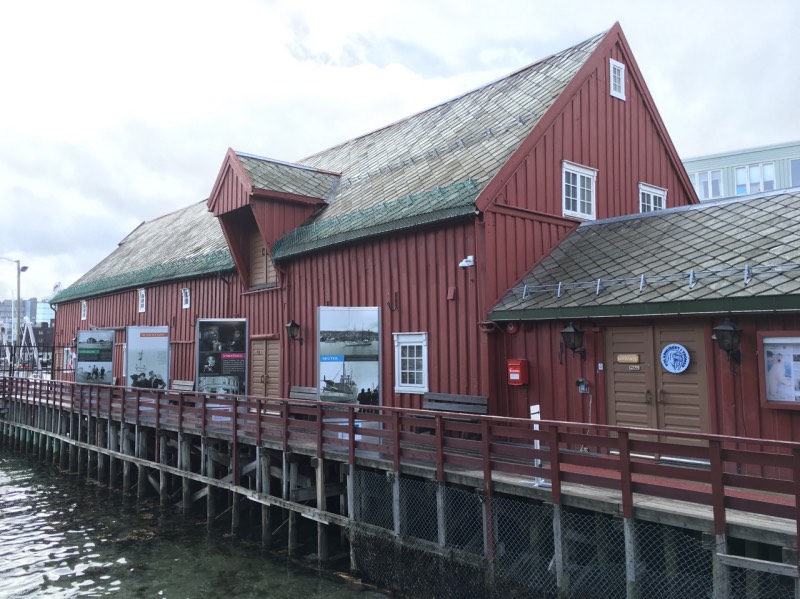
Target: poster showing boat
95,357
349,355
222,356
147,357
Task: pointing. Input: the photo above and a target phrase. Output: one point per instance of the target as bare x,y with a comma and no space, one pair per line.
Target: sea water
66,536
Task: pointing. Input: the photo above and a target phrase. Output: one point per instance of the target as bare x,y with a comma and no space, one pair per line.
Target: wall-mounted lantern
573,341
293,331
728,336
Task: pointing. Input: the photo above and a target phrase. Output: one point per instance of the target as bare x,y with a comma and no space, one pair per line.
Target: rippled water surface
61,536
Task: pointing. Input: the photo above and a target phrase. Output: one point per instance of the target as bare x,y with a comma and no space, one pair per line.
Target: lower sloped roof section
432,206
727,256
186,268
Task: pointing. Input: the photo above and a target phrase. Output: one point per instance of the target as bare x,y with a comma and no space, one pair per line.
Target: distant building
45,315
38,312
745,172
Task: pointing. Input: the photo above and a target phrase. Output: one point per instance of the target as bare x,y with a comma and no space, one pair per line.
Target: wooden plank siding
232,188
734,400
210,297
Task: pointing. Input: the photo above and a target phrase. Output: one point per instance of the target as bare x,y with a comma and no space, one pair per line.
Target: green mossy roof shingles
716,241
454,148
271,175
183,244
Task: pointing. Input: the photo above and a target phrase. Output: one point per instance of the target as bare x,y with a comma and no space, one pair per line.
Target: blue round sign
675,358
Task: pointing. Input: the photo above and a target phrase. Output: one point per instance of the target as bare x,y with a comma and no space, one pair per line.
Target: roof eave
726,305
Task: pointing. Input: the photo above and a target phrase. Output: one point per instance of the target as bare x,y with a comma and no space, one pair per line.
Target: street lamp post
18,328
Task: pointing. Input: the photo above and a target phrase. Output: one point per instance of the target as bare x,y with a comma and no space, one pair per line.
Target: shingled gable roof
726,256
183,244
433,165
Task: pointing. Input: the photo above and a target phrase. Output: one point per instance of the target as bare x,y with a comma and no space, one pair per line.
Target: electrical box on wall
517,372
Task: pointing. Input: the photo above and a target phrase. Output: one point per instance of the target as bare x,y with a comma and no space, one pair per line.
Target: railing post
439,440
396,441
721,571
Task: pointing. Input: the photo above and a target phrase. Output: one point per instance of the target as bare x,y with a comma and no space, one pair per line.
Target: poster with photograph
349,355
95,357
147,357
782,368
222,356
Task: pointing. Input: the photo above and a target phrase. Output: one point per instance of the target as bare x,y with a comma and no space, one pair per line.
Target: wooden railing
753,475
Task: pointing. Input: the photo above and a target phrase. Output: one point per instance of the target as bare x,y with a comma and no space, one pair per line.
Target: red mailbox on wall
517,372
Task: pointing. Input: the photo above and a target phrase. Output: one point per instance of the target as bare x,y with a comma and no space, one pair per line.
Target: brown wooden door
641,393
265,368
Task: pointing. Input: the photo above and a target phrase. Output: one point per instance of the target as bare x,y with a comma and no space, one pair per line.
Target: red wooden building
391,250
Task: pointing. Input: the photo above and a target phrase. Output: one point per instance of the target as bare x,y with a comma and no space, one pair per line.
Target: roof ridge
458,97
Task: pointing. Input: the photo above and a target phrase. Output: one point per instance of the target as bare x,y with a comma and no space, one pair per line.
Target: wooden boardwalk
726,487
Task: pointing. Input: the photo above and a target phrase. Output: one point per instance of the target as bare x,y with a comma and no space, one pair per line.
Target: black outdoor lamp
293,330
573,340
728,337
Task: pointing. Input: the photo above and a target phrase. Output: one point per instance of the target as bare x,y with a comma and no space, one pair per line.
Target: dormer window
617,79
142,300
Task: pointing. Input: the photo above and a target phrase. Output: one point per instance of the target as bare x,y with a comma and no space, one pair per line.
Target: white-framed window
755,178
708,185
83,309
142,300
411,362
794,171
186,298
616,79
578,190
651,198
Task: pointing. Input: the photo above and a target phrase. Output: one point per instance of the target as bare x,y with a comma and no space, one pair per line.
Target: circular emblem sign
675,358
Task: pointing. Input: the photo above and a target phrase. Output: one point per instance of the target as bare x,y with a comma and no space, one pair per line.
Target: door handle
263,378
660,397
648,396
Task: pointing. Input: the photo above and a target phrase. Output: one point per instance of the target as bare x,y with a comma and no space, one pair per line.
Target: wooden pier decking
726,487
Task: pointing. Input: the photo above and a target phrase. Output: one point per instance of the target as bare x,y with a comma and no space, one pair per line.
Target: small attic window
617,79
142,300
185,298
83,309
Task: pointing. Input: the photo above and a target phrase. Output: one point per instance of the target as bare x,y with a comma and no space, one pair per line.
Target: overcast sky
112,113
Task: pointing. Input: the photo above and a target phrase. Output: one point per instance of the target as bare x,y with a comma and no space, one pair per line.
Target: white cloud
113,113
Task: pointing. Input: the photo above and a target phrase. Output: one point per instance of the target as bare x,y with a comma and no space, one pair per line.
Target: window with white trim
616,79
83,310
651,198
577,192
708,185
186,298
755,178
410,362
142,300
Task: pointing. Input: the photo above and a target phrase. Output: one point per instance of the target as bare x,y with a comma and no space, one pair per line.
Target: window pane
769,176
703,191
716,184
795,167
741,181
755,179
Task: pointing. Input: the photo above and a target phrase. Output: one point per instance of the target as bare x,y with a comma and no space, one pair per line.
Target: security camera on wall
467,262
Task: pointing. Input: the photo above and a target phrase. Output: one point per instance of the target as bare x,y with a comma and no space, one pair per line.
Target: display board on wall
781,369
349,355
147,357
222,356
95,357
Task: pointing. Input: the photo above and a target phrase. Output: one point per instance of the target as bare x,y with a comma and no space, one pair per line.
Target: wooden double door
265,368
642,393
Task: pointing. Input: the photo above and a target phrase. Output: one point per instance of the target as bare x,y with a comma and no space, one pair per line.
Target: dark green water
63,536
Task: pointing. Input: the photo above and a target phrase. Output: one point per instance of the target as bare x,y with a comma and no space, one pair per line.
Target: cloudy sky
112,113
